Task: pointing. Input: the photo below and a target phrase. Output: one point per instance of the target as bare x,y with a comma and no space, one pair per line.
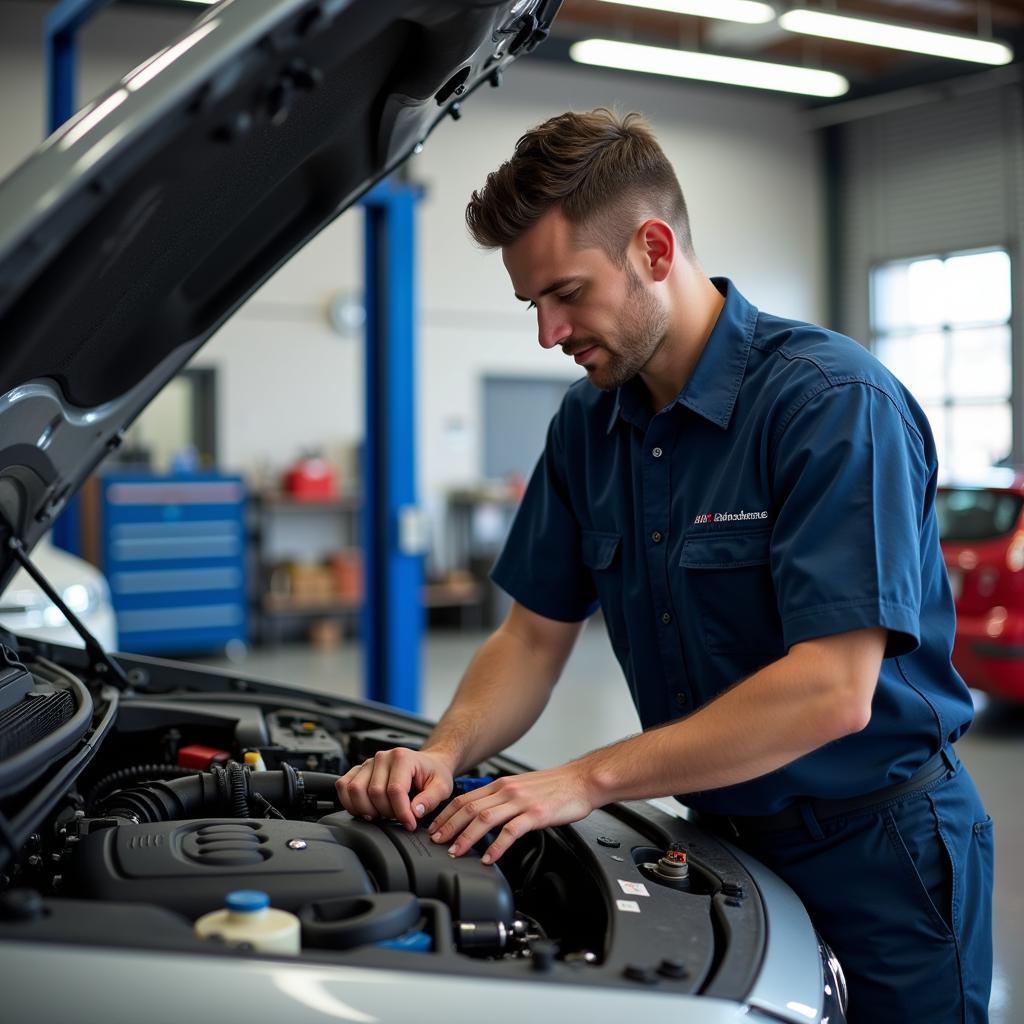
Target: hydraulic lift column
393,538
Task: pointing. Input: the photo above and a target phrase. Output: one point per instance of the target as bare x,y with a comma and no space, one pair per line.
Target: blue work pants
902,892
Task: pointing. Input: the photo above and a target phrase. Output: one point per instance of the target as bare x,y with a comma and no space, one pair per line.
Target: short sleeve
540,565
850,478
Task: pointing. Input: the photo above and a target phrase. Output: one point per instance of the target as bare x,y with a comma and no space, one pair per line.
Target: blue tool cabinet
174,551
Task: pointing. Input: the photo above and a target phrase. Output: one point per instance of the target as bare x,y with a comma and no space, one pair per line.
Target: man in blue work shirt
749,500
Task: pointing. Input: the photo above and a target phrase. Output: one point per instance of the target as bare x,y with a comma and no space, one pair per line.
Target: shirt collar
715,382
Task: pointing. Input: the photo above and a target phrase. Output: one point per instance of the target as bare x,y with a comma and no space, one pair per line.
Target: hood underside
130,236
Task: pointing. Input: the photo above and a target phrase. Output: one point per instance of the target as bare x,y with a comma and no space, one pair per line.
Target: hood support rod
102,664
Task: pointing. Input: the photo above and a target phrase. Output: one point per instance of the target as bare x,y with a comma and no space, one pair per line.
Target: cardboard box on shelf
311,584
347,569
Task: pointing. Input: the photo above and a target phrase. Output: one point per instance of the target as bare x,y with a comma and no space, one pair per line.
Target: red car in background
981,529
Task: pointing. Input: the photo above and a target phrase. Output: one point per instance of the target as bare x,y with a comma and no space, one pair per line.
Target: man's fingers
486,821
398,785
473,821
515,804
430,796
352,791
455,816
512,831
378,787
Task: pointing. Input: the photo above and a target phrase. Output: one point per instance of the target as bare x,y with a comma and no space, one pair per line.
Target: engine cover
189,866
401,861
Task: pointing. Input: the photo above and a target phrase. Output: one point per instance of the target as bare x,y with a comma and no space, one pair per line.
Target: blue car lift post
392,529
392,542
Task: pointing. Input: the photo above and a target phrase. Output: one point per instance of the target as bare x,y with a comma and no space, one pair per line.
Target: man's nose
552,329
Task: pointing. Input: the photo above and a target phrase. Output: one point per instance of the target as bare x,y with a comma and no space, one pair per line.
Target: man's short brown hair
606,173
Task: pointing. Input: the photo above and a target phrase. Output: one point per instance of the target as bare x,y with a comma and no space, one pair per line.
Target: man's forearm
820,691
503,692
779,714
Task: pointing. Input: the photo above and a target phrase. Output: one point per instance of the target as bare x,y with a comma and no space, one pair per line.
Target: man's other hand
518,804
382,784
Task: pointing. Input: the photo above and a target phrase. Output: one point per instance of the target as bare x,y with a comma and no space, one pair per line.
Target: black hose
220,793
136,771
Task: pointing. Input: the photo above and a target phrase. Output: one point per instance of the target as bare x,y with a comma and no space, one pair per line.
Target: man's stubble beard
641,334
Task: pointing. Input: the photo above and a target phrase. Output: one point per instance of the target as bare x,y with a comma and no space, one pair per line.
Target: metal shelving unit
284,528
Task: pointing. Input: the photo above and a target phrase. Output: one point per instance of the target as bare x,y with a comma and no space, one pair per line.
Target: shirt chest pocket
727,579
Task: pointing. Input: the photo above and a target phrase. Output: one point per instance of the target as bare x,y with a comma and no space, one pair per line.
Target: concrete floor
590,707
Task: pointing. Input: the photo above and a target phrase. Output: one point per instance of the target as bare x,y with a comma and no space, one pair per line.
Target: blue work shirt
787,493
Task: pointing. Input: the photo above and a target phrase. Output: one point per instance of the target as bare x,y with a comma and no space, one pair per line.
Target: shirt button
656,452
656,537
666,618
681,699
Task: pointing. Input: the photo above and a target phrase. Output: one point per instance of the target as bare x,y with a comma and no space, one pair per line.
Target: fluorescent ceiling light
751,12
708,67
895,37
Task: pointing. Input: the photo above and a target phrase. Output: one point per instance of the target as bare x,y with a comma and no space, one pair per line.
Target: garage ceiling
870,69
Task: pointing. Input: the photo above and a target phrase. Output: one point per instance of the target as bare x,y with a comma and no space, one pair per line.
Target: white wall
748,168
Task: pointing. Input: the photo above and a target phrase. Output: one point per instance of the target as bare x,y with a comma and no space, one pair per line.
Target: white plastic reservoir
249,919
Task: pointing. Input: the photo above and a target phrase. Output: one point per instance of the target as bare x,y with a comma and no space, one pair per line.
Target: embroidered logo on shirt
728,517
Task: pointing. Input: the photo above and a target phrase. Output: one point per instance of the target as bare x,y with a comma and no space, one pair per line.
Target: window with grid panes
942,325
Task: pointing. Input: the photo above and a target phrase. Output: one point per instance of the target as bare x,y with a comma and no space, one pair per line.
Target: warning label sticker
631,906
633,888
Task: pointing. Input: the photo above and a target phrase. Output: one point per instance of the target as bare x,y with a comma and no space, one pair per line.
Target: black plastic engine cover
402,861
189,866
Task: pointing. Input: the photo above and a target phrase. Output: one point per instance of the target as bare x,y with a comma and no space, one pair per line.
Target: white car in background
27,611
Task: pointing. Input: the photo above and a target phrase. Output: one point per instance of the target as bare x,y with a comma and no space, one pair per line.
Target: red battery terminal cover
195,755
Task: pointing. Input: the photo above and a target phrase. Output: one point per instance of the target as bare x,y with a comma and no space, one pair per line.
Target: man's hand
520,803
380,786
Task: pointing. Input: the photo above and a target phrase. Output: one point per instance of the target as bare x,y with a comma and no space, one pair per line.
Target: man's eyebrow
553,287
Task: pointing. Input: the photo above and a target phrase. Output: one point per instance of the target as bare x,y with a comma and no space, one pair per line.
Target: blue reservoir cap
467,783
410,942
247,901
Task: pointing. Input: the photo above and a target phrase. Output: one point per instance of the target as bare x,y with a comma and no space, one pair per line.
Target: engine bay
193,784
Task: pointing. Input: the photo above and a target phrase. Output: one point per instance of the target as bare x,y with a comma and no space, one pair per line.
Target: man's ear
657,243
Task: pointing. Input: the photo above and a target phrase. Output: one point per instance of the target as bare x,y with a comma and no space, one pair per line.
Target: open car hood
137,229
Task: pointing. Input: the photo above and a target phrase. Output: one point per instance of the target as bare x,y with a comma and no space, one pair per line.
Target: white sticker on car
633,888
631,906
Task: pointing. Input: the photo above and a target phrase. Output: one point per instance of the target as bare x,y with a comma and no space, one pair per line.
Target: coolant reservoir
248,918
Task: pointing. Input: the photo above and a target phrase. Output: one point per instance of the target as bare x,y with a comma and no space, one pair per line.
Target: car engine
162,798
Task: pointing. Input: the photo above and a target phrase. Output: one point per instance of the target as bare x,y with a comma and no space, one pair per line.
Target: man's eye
570,296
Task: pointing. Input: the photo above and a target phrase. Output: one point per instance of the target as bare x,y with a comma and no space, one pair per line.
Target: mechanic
750,501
